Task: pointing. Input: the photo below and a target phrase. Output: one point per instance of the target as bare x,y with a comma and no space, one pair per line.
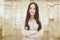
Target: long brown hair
36,16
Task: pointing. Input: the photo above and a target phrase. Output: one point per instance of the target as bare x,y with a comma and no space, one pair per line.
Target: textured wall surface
12,13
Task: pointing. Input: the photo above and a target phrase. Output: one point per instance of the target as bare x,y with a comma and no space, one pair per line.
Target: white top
32,33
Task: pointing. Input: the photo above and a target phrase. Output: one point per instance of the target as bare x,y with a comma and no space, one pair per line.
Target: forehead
32,5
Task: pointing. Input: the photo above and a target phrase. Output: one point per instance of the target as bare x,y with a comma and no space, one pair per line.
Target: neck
32,17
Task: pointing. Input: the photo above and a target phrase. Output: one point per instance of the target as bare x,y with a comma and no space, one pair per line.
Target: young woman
32,29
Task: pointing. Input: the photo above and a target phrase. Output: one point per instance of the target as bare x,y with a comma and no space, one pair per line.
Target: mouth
32,12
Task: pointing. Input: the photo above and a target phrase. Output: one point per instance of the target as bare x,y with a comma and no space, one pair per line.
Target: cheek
32,11
29,11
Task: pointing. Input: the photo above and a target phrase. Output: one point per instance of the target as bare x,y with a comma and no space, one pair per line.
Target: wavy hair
36,16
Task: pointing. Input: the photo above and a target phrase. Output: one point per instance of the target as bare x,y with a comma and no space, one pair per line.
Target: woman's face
32,9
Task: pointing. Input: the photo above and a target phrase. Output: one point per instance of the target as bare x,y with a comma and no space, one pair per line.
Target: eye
32,8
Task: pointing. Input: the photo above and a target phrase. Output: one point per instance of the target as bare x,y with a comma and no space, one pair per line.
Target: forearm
37,34
28,33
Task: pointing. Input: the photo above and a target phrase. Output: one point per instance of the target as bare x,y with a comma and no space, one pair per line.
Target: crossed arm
31,33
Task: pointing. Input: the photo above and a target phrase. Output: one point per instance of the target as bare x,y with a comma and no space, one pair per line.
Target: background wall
14,12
